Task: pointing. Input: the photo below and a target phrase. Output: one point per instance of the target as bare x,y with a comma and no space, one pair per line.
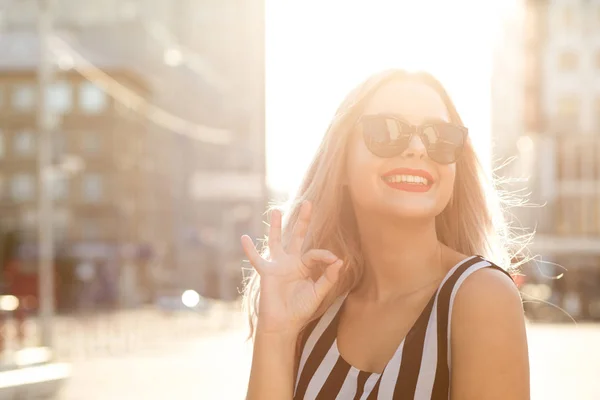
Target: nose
416,148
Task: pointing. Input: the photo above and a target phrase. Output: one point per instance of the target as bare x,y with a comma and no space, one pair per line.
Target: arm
288,298
489,343
271,376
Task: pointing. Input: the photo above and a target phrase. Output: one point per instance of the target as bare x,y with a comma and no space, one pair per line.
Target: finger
324,284
316,256
274,240
300,229
255,259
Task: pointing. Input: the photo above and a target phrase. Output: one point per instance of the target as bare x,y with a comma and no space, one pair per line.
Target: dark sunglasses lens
444,142
385,137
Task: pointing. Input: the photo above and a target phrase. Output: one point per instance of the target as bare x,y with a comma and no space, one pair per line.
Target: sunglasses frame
414,129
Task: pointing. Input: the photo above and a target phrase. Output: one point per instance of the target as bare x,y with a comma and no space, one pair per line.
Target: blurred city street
204,357
134,153
214,367
565,364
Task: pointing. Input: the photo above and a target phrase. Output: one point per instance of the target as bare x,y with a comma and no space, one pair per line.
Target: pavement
564,361
83,340
211,360
214,367
565,364
114,334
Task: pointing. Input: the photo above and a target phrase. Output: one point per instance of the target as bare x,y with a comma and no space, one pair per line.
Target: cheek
447,177
361,167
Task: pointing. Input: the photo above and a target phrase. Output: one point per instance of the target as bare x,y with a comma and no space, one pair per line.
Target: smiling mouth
408,183
409,179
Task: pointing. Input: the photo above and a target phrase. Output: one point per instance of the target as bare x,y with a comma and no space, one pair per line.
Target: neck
401,256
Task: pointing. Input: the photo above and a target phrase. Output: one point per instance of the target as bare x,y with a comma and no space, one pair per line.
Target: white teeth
417,180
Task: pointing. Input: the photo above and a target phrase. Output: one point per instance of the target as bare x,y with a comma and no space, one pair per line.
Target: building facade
157,202
553,128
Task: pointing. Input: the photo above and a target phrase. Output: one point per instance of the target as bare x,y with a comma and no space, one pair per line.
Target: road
565,364
565,361
210,368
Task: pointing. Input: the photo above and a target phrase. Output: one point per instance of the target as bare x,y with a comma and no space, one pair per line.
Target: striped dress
419,369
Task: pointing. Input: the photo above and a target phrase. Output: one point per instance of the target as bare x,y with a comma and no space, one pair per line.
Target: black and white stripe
419,369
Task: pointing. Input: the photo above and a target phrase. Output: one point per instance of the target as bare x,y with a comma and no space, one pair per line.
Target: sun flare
317,51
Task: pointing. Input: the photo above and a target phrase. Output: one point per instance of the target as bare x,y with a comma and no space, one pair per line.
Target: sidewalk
565,364
83,340
124,331
132,331
211,368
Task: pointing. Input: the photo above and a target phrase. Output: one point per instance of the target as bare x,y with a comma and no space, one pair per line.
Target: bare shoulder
489,338
489,287
488,299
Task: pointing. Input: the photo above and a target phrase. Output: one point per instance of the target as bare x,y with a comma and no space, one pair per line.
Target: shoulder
488,292
489,338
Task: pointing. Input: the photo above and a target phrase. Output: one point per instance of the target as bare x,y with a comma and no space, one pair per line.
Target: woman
359,290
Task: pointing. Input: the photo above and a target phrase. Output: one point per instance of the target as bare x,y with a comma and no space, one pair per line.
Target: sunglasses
388,136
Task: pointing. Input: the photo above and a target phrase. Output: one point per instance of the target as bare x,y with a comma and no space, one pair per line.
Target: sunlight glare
317,51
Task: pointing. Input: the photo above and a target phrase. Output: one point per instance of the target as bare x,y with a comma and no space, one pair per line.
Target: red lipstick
422,185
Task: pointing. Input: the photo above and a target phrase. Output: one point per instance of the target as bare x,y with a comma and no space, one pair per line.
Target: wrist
287,334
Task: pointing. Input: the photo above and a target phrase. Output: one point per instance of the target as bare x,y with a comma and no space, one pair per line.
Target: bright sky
317,50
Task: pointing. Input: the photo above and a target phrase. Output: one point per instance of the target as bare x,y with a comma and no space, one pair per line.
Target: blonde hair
480,229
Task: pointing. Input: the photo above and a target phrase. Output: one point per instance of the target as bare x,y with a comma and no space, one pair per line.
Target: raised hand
288,295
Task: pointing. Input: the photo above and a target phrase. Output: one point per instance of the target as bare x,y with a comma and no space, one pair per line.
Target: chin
412,212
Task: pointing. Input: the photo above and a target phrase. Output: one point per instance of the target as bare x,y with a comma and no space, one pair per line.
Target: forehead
415,101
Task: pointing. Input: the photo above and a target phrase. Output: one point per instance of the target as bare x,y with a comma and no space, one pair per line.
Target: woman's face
386,185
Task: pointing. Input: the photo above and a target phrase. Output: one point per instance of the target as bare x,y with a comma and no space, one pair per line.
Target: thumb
331,275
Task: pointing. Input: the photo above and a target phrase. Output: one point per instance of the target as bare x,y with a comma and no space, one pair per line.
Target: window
90,142
60,97
24,143
23,97
60,188
588,215
566,160
568,112
92,187
22,187
92,99
569,221
568,61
